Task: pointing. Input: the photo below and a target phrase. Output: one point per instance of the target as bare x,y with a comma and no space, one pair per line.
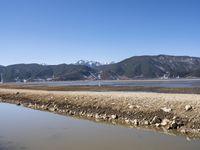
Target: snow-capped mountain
90,63
160,67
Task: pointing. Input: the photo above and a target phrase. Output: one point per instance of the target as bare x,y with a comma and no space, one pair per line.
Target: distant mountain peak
91,63
88,63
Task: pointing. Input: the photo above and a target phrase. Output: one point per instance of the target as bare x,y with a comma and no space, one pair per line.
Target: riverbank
183,90
163,111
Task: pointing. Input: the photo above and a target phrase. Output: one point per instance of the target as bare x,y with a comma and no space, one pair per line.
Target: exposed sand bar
157,110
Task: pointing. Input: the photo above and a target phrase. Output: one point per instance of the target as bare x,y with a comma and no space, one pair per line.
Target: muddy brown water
26,129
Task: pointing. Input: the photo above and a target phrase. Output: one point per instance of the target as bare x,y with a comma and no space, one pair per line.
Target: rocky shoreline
178,113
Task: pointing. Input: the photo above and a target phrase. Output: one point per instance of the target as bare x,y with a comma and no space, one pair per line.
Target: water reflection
23,128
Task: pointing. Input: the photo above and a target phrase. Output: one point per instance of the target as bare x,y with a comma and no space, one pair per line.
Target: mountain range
91,63
137,67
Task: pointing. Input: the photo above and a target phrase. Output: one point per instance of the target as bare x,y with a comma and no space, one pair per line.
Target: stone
97,116
30,105
105,117
52,109
135,122
169,128
62,110
155,120
180,123
183,131
146,122
130,106
71,112
165,109
174,125
44,107
127,121
188,107
80,113
158,125
114,116
165,122
89,115
18,103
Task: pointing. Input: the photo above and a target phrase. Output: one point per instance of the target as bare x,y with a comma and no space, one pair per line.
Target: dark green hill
72,72
36,72
195,73
151,67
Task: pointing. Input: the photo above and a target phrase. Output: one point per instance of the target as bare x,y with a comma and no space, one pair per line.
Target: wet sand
143,109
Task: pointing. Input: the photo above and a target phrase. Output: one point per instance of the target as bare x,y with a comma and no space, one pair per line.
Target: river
146,83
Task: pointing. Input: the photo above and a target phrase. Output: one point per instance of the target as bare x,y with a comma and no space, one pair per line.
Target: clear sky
64,31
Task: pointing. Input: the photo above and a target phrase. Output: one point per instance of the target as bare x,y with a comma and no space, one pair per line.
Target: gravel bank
172,112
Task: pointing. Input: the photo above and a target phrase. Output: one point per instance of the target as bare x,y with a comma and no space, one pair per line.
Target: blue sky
64,31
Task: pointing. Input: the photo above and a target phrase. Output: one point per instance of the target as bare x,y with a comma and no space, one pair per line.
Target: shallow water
27,129
146,83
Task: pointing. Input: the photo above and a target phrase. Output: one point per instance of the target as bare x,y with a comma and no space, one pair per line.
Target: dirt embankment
171,112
